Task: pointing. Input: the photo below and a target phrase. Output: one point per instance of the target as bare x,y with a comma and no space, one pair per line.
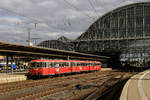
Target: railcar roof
46,60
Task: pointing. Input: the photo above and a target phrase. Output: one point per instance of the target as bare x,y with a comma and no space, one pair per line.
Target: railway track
9,86
67,87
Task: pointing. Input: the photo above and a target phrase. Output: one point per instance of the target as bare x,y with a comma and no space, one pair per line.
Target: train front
36,68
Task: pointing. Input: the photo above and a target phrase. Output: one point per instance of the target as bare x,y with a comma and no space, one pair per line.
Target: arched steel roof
96,25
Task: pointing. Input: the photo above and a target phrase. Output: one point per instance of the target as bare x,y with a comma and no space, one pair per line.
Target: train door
89,65
67,67
73,66
61,68
57,67
79,67
100,65
46,69
51,68
86,66
82,67
70,67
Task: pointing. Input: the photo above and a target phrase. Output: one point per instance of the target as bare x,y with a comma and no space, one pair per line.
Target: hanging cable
16,13
79,10
32,19
93,7
99,2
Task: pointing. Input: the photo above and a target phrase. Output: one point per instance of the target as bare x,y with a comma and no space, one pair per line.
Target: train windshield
37,64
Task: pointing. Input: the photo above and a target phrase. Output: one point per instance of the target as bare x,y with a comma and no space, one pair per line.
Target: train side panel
61,70
70,67
48,71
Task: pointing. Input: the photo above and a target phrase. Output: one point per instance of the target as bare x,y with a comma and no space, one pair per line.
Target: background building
125,29
62,43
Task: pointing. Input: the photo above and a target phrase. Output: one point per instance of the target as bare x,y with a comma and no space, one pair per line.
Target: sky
51,19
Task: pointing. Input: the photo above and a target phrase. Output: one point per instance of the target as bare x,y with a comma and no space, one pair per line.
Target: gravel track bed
28,83
24,83
50,88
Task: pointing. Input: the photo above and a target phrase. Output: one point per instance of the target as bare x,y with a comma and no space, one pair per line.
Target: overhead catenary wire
91,4
76,8
35,21
39,21
16,13
100,3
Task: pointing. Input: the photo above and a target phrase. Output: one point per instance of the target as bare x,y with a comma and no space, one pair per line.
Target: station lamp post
29,30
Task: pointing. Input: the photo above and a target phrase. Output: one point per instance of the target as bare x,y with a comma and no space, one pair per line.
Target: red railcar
44,67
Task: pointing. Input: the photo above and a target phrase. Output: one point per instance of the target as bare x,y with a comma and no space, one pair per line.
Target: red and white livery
44,67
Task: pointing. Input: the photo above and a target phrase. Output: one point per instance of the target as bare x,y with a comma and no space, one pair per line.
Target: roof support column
68,58
6,66
12,64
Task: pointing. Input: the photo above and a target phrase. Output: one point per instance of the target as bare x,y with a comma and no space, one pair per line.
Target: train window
60,65
32,65
39,64
43,64
89,64
67,64
86,64
57,65
64,64
49,64
73,64
36,64
78,64
98,64
54,64
83,64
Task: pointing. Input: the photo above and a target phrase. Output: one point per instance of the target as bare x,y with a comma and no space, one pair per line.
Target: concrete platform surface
137,87
8,77
106,69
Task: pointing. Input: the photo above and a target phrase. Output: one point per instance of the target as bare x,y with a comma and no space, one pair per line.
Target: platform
137,87
106,69
16,76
